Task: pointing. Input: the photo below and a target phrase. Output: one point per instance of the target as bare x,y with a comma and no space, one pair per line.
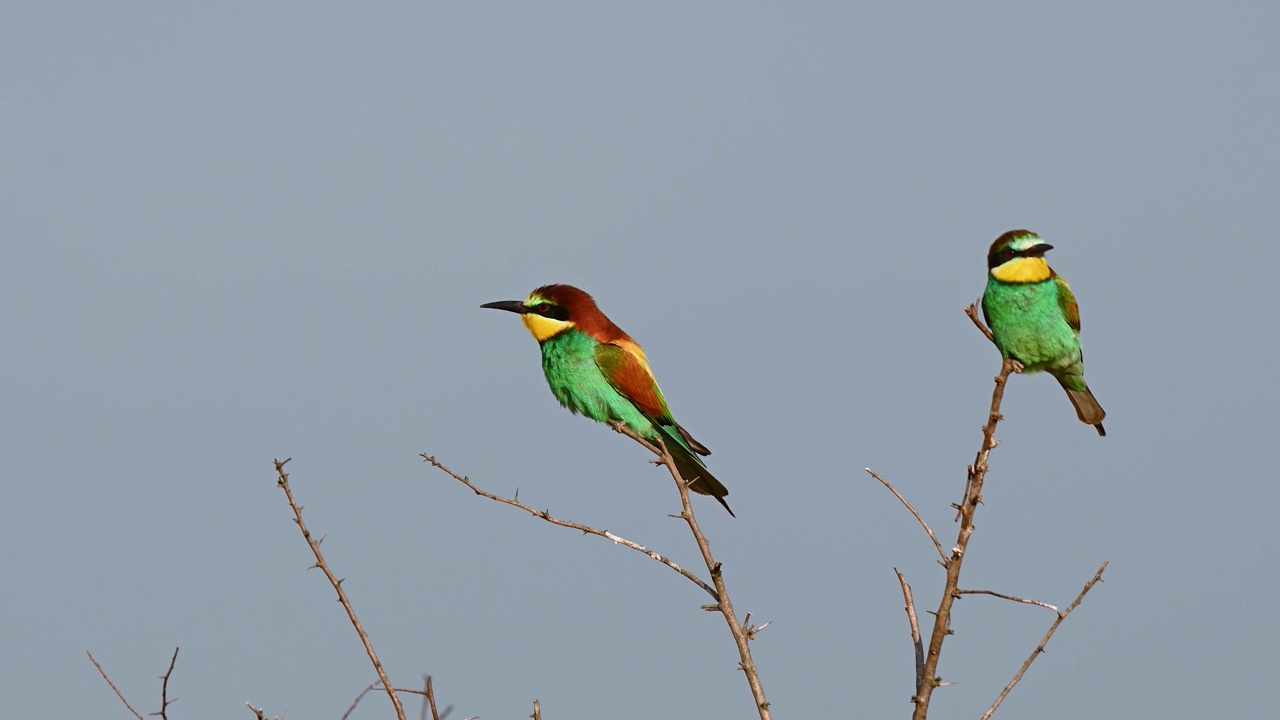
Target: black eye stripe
1006,254
550,310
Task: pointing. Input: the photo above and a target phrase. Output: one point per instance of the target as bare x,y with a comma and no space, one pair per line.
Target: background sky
233,232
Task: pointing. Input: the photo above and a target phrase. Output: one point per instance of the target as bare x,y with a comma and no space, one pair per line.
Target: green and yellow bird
1034,318
596,369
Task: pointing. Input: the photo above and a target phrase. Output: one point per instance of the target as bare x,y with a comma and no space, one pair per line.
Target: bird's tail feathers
692,470
1087,407
694,445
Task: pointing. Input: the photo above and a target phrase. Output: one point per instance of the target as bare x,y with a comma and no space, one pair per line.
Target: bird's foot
1016,366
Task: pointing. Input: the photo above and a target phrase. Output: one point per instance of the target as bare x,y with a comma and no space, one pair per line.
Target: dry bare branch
283,483
915,628
120,695
1097,577
937,545
972,312
977,473
360,697
586,529
165,702
431,699
537,711
1037,603
741,637
742,634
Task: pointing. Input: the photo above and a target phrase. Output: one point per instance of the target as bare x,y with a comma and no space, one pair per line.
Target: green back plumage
588,377
569,362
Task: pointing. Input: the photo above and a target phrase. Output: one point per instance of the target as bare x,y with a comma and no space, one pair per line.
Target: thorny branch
1002,596
742,633
283,483
926,675
742,636
1097,577
585,529
165,702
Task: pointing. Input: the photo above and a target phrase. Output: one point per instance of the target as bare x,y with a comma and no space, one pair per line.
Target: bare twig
753,630
359,697
977,473
165,702
1037,603
537,711
431,698
120,695
972,312
283,483
257,712
586,529
426,684
915,628
375,684
937,545
1097,577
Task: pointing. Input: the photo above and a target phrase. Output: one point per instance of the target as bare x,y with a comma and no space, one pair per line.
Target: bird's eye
542,308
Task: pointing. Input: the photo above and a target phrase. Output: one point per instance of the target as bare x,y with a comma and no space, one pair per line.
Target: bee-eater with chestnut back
1034,317
596,369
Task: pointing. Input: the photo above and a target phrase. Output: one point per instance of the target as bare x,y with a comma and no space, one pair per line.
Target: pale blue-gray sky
239,231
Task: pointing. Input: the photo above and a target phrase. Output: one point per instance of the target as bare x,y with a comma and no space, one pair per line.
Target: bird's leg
1016,366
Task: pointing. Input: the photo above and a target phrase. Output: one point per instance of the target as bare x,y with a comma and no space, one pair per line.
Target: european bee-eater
1034,318
596,369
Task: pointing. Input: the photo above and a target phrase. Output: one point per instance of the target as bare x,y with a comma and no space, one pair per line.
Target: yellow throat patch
1022,270
543,328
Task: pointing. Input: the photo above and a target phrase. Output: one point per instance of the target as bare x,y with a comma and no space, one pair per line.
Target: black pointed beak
1039,249
514,306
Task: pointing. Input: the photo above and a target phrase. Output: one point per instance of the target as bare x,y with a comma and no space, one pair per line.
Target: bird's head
553,309
1018,257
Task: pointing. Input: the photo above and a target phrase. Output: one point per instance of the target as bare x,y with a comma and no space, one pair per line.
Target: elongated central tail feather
1087,408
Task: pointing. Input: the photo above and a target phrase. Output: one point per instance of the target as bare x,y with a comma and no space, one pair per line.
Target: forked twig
283,483
375,684
977,473
742,635
1097,577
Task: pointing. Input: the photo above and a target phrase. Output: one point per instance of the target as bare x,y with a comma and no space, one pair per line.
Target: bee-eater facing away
1034,318
596,369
